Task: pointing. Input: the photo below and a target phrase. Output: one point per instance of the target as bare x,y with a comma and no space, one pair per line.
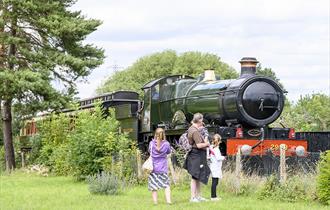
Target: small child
215,165
205,134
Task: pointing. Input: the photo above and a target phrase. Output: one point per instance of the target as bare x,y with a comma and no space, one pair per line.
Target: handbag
147,165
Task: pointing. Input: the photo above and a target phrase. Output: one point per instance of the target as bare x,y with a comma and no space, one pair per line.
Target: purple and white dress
158,178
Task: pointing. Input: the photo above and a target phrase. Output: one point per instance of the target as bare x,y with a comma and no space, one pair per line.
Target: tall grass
298,187
29,191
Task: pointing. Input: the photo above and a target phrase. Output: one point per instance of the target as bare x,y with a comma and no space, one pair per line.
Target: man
196,163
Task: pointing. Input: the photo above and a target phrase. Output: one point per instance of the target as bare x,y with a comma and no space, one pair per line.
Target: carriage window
155,92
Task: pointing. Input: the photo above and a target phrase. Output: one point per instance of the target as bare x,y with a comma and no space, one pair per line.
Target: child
159,149
215,165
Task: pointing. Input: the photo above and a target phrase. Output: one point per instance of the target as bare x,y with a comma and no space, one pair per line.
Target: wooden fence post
23,158
282,163
120,165
238,169
170,165
112,164
139,164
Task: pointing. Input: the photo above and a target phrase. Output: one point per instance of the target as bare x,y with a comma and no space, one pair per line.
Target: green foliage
180,155
194,63
268,72
295,188
269,187
310,113
60,160
83,144
42,41
93,139
323,178
1,134
247,185
2,159
34,154
105,183
53,131
163,64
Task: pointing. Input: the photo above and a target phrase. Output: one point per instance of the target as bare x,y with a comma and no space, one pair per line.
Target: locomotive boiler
250,100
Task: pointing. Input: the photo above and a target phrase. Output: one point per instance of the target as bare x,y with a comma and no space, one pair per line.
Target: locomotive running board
266,147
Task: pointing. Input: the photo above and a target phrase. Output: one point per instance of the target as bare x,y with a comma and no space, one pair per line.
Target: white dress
216,163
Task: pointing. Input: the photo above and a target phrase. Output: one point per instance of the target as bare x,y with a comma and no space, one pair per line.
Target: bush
323,178
296,187
105,183
2,159
269,187
93,141
83,145
35,149
53,132
60,160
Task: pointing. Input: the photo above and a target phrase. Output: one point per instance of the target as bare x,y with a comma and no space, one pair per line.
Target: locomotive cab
160,101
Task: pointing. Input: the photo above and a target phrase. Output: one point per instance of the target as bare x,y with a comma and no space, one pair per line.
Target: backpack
184,144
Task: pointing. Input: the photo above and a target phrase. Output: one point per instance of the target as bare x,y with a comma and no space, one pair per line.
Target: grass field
28,191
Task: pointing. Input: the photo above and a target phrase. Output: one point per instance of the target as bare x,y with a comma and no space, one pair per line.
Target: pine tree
41,41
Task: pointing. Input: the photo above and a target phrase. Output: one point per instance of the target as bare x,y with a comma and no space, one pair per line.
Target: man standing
196,163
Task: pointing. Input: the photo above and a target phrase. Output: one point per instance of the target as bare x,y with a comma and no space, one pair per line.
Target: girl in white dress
215,165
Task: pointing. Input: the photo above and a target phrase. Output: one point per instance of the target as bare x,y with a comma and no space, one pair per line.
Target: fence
280,166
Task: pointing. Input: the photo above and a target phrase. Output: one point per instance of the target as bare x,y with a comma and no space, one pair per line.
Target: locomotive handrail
262,138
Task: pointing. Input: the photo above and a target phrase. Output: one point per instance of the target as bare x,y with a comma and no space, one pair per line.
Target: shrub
296,187
60,160
247,185
94,140
53,131
292,190
323,178
35,149
180,156
105,183
268,189
83,145
2,159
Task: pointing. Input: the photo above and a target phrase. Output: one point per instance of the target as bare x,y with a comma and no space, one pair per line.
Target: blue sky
291,37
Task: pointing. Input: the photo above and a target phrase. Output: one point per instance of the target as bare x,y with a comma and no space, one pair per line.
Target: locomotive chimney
248,66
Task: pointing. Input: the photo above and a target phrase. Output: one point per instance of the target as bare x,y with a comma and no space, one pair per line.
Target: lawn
29,191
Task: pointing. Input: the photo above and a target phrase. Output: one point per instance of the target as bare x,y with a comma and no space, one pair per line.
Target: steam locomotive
240,110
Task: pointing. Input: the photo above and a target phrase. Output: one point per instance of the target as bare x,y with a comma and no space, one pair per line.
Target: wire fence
265,165
269,164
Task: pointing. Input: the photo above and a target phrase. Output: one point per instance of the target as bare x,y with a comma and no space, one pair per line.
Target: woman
196,163
159,148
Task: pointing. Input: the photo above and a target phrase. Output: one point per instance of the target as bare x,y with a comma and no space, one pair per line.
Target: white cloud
291,37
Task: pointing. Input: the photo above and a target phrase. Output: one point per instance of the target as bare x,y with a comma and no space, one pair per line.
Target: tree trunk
7,102
7,135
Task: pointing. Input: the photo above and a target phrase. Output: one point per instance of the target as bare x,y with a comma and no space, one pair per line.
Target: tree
268,72
310,113
162,64
41,41
194,63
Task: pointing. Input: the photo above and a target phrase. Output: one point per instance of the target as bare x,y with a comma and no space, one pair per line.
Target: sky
291,37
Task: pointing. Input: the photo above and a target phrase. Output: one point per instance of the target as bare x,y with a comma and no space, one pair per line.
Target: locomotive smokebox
248,66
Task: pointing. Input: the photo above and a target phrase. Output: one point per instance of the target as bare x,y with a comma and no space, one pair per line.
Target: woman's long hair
159,136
